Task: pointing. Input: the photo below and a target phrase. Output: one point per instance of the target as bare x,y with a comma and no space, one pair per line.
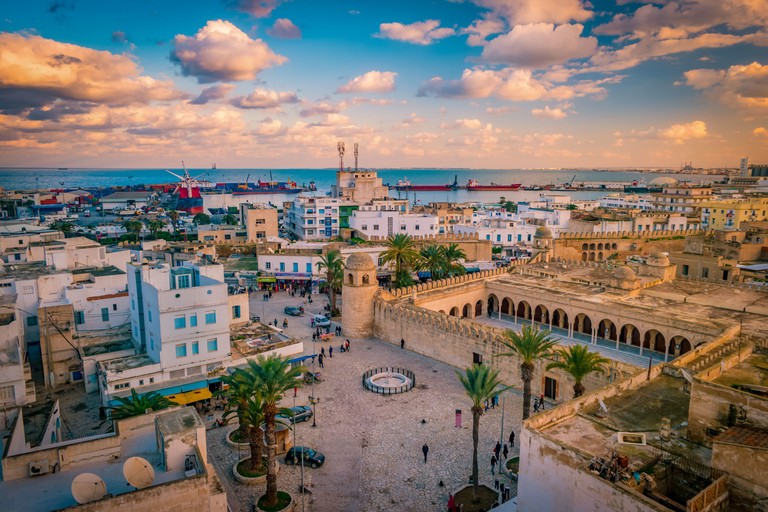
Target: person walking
322,351
312,322
330,351
402,343
320,360
493,464
347,345
505,451
425,449
497,450
512,438
314,337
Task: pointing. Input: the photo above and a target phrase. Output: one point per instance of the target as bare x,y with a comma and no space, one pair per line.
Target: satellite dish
4,359
138,472
88,487
603,407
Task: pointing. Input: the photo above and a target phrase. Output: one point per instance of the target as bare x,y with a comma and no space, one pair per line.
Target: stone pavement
372,443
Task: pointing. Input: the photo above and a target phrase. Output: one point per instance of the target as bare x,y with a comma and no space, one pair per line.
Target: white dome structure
663,181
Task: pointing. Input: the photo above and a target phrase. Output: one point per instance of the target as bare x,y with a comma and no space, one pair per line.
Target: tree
134,226
64,227
579,362
530,345
480,383
241,387
229,219
275,377
136,405
502,200
155,226
452,256
201,218
334,273
401,251
250,414
432,260
571,207
510,207
174,216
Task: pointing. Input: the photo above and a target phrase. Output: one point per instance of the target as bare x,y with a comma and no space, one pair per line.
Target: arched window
351,279
366,279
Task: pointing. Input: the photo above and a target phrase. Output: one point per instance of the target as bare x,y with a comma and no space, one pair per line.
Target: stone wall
711,404
623,243
746,467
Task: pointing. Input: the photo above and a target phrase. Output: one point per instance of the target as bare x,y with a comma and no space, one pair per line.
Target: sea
27,178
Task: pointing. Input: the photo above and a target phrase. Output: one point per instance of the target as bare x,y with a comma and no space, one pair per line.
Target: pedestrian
402,343
314,337
505,451
311,322
275,322
486,405
330,351
541,402
270,294
497,450
347,345
320,360
425,449
493,464
322,351
512,438
493,402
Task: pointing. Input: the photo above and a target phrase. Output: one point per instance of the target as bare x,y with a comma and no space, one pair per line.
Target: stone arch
541,314
630,335
600,256
523,310
584,247
685,346
454,311
591,256
560,319
351,279
366,279
679,345
478,308
467,311
655,341
614,247
583,256
608,325
441,311
592,247
507,306
600,247
493,304
583,324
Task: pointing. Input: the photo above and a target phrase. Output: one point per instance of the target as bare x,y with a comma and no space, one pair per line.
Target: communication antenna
340,147
356,147
88,487
138,472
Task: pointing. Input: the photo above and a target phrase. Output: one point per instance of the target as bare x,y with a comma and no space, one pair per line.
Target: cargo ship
405,184
474,185
187,192
260,187
641,188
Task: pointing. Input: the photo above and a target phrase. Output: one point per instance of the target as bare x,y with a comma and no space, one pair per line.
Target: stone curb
291,506
252,480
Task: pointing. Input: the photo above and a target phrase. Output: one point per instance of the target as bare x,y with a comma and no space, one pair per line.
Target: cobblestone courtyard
372,443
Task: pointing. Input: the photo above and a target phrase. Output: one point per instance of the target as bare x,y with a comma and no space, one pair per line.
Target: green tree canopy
579,362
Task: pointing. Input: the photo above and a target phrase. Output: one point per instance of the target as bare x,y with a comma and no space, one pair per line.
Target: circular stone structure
389,380
358,290
657,259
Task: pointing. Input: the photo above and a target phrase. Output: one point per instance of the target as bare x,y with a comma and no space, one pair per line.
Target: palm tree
155,226
250,414
229,219
334,273
174,216
530,345
64,227
201,218
275,376
432,260
136,405
481,383
401,251
579,362
571,207
134,225
452,256
241,387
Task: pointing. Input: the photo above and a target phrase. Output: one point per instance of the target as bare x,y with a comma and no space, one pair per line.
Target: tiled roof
745,436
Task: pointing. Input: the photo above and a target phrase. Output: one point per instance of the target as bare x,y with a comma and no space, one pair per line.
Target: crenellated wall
633,234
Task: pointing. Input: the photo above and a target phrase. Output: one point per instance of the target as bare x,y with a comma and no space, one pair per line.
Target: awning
300,359
190,396
266,279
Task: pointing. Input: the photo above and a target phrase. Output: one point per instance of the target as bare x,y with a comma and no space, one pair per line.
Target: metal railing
388,390
683,463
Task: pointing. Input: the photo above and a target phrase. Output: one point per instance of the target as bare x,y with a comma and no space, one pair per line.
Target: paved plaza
372,443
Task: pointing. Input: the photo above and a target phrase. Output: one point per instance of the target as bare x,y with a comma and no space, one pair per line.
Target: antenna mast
340,147
356,147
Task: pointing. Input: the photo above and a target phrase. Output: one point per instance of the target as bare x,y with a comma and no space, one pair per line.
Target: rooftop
121,196
745,436
27,271
128,363
749,376
109,270
106,348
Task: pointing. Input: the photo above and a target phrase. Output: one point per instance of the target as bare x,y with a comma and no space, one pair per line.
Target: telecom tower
340,147
356,147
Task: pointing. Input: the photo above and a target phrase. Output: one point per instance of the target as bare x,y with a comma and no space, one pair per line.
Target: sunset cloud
743,87
284,29
217,92
372,81
469,124
520,12
421,32
222,52
539,45
548,113
256,8
262,98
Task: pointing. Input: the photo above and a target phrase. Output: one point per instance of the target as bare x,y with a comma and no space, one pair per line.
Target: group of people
498,452
266,296
493,402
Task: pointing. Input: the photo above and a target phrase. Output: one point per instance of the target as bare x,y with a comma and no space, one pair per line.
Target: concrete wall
710,405
748,478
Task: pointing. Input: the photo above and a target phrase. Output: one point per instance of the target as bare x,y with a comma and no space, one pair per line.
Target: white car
321,321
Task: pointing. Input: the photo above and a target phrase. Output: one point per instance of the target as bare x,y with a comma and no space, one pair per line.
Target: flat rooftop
106,348
752,372
128,363
53,491
109,270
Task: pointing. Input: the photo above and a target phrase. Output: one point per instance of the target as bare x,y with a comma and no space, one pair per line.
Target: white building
315,218
16,386
508,234
99,298
384,223
635,201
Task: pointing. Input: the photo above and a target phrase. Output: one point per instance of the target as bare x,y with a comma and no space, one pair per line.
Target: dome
663,181
657,259
543,232
359,261
624,273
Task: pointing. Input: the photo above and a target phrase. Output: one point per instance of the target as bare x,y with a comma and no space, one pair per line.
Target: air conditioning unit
39,467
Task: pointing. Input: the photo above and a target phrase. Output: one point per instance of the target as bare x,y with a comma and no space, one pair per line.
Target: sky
442,83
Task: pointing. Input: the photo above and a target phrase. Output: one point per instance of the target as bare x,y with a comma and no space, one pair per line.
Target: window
28,289
498,238
133,304
195,347
295,267
282,266
124,385
365,227
310,221
477,358
320,211
149,313
183,281
705,273
114,307
151,380
487,237
235,311
210,318
403,228
180,322
267,265
17,257
309,268
105,314
417,227
375,227
529,237
685,270
151,344
181,350
509,238
193,320
519,238
79,317
213,345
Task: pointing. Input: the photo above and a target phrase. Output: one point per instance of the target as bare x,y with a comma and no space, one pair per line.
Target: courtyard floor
372,443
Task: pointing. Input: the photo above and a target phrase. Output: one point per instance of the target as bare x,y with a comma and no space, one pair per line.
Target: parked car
300,413
290,310
322,321
312,458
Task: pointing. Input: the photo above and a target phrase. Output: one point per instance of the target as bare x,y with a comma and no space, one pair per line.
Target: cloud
333,120
482,28
502,110
360,101
322,108
262,98
372,81
284,29
421,32
119,37
521,12
539,45
742,87
256,8
216,92
760,132
413,119
221,51
469,124
677,133
37,71
555,113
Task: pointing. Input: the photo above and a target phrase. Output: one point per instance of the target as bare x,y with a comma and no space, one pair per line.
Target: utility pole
501,442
